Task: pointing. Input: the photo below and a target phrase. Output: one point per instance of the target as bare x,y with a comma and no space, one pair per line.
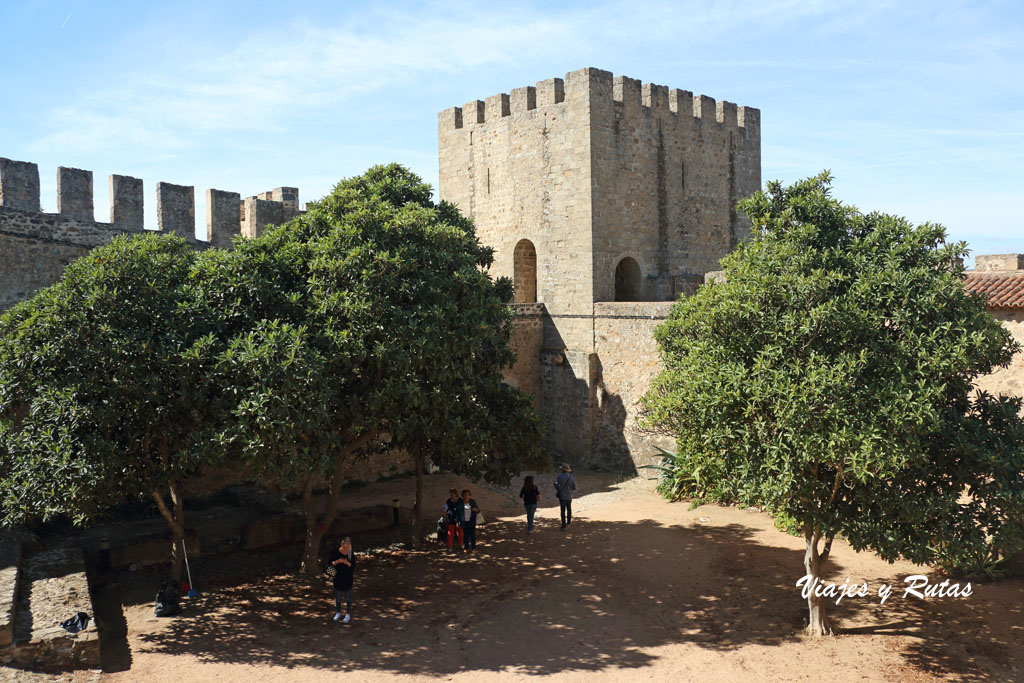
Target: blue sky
917,108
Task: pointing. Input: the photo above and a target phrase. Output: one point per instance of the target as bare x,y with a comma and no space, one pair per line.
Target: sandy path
637,587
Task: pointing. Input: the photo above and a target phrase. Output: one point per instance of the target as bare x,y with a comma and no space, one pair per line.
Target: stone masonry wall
35,247
527,342
518,164
624,342
567,383
668,169
1008,380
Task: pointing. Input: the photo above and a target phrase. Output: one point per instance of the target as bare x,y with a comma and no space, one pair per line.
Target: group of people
565,484
461,515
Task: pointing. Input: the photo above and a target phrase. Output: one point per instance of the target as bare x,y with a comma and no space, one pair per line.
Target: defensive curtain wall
35,247
605,200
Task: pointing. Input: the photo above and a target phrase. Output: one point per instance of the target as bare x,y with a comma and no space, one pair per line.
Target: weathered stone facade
1000,277
596,190
35,247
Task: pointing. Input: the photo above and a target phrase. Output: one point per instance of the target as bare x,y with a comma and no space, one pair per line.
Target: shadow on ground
970,638
535,604
601,595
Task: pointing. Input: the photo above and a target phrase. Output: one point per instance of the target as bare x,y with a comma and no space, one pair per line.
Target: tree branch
162,506
336,481
835,487
827,549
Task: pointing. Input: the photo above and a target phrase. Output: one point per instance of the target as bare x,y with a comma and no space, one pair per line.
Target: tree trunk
317,525
417,522
817,624
176,520
311,549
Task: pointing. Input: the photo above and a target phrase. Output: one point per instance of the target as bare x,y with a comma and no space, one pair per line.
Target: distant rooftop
1000,277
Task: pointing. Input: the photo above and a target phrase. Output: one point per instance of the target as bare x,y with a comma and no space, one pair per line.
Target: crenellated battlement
35,246
601,87
226,214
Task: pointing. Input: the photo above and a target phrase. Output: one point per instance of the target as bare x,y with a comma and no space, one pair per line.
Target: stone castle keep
605,201
604,198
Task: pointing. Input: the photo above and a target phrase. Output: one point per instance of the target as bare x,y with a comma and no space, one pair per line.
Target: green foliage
375,315
104,385
371,313
829,381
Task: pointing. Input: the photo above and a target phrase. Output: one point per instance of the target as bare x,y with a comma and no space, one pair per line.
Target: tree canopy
104,386
370,314
828,380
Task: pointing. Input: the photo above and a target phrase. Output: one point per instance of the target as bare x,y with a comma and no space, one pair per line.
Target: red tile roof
1004,290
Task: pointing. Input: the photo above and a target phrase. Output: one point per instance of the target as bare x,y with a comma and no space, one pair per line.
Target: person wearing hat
565,484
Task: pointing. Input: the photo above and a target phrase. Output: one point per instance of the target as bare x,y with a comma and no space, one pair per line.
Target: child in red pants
453,517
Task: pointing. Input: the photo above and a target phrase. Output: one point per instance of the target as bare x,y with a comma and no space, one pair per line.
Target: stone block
74,193
259,213
272,531
222,217
126,202
550,91
150,550
10,573
19,185
176,209
522,99
473,112
984,263
496,106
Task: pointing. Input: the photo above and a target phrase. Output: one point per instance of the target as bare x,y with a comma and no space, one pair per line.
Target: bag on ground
77,623
168,600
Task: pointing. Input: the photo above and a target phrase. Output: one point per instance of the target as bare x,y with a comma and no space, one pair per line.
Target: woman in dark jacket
530,495
344,562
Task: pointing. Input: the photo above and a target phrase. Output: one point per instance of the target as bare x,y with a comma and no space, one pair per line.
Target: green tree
104,387
828,380
376,316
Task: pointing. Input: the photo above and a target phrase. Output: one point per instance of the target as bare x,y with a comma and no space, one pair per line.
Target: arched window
627,280
524,272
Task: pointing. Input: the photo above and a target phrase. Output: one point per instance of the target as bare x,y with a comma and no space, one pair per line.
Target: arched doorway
524,272
627,280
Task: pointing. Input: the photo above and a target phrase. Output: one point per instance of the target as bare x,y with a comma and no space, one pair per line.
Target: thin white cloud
256,84
900,94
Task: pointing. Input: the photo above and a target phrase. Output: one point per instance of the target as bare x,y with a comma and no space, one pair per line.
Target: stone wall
35,247
519,164
527,341
1008,380
668,170
568,382
567,180
1000,279
371,468
628,353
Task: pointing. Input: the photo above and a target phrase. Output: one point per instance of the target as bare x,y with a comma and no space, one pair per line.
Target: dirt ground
636,587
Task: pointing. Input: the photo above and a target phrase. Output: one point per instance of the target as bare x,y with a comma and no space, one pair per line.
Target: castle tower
605,199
